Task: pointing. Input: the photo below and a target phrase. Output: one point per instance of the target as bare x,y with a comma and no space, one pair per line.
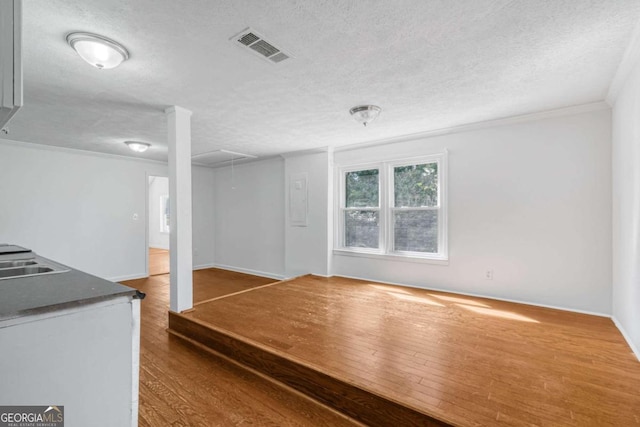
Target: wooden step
354,401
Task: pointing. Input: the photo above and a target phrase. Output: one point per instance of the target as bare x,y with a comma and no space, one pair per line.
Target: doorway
158,222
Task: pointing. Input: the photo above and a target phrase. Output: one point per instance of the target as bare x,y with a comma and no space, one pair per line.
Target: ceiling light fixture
99,51
365,113
137,146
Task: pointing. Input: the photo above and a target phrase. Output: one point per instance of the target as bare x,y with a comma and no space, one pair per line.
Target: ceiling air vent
281,56
249,38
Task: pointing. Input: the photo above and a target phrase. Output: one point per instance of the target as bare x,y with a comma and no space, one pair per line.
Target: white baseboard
326,276
295,276
575,310
249,271
144,276
626,337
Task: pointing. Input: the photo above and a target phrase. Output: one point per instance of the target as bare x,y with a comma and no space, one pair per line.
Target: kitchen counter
23,296
68,338
48,292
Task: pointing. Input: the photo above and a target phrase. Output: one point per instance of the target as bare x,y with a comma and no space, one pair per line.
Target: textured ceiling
428,64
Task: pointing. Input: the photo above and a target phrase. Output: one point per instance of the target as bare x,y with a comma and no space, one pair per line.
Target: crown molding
57,148
559,112
576,109
629,60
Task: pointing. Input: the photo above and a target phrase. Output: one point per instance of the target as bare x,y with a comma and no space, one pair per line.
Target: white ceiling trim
577,109
558,112
58,148
628,62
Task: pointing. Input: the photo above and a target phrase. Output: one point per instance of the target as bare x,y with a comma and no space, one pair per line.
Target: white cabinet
84,358
10,59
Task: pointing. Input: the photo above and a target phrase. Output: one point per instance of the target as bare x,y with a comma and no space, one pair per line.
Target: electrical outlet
488,274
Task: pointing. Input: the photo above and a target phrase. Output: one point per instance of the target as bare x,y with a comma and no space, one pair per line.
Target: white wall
307,248
158,187
202,205
529,200
249,217
626,210
77,208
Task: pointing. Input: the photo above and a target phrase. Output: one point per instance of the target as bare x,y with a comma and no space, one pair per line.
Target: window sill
391,257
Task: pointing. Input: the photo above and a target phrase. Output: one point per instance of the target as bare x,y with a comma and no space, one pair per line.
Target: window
394,208
362,209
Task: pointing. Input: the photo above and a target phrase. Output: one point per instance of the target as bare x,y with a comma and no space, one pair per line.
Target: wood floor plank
215,282
158,261
472,361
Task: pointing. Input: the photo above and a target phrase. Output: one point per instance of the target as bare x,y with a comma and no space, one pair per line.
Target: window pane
416,231
416,185
362,189
361,229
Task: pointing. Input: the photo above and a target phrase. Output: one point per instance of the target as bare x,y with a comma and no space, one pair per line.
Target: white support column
179,138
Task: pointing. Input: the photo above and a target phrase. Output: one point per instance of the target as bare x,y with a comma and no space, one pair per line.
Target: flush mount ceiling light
99,51
365,113
137,146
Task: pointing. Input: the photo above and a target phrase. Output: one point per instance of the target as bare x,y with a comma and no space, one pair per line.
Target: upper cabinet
10,59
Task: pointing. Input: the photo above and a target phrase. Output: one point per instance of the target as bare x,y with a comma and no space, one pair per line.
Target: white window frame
385,208
342,208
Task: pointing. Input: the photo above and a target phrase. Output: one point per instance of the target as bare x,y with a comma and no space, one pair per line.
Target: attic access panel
219,158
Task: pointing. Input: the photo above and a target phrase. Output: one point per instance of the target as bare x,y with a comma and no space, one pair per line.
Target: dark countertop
30,295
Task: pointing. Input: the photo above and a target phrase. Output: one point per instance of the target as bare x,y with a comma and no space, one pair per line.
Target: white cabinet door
85,359
10,59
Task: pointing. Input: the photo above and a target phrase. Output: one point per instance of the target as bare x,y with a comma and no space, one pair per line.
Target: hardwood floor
214,282
464,360
183,385
158,261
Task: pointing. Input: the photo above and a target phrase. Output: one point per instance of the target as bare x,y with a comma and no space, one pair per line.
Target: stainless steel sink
24,271
16,263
